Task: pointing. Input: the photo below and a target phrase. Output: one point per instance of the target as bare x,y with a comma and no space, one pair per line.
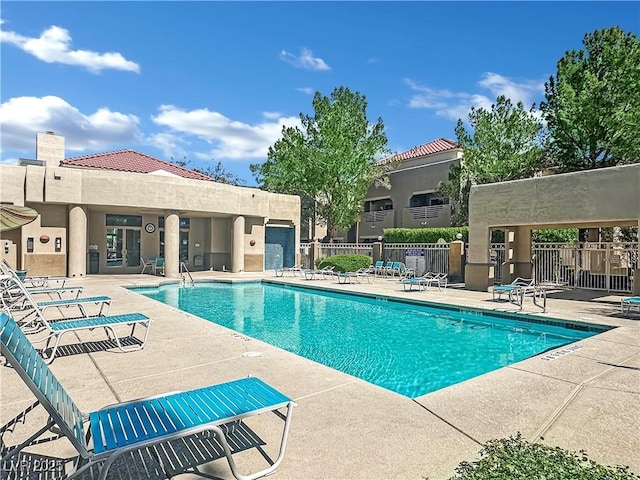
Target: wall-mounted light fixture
30,245
58,244
424,223
6,247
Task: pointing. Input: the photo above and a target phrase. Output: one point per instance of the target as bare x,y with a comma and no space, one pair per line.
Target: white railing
376,216
432,211
330,249
587,265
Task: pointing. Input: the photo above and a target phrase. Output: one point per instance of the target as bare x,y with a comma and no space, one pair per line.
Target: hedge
449,234
345,263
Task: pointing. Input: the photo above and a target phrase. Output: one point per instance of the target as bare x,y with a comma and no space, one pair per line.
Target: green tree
332,160
592,106
505,145
218,173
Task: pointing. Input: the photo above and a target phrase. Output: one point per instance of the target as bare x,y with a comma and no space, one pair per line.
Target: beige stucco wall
211,206
601,197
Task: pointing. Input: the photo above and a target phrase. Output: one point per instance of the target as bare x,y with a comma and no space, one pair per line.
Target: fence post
456,261
377,252
314,254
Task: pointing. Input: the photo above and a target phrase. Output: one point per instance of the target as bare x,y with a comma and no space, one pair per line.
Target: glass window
124,220
184,222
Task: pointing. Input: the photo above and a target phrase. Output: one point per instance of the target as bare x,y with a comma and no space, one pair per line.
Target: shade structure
12,216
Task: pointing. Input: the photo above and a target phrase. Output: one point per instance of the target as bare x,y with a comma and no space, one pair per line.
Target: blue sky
215,81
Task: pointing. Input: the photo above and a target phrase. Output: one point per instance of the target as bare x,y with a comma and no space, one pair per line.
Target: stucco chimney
50,148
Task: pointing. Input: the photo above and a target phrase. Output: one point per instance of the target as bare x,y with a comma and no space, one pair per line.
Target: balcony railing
376,216
431,216
432,211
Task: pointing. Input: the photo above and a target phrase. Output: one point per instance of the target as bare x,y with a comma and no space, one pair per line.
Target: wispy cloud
23,117
455,105
230,139
54,46
306,90
305,60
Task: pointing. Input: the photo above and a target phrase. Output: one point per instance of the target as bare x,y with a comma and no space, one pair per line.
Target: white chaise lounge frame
103,436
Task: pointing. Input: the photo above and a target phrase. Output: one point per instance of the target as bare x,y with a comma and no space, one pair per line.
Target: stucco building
413,200
106,213
604,197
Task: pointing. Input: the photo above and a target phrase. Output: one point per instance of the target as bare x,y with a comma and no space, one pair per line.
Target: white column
171,245
77,241
237,248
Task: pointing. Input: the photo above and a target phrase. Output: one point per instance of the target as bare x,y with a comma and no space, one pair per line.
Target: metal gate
496,257
588,265
425,257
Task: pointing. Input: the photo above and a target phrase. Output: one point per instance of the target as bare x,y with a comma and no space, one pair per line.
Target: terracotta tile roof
130,161
436,146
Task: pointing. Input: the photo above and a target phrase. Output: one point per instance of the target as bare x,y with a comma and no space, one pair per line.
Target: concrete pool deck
345,428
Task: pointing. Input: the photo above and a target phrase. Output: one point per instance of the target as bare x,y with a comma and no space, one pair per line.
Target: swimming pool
408,348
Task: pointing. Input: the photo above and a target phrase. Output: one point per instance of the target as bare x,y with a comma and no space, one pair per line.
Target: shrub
346,263
425,235
514,458
556,235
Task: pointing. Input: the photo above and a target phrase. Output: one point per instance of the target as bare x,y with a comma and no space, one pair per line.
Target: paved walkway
346,428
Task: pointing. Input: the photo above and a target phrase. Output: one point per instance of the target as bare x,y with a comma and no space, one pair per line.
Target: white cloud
305,60
230,139
455,105
306,90
271,115
23,117
53,46
525,92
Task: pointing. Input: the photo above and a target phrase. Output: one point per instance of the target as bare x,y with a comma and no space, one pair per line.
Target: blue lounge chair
150,424
515,289
628,303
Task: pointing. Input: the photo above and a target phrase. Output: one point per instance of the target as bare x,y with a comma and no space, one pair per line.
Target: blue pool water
407,348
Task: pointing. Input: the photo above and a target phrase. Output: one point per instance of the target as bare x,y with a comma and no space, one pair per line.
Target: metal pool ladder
183,280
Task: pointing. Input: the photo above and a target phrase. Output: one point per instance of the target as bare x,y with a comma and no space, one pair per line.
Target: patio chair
141,426
149,263
378,267
158,266
628,303
388,268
